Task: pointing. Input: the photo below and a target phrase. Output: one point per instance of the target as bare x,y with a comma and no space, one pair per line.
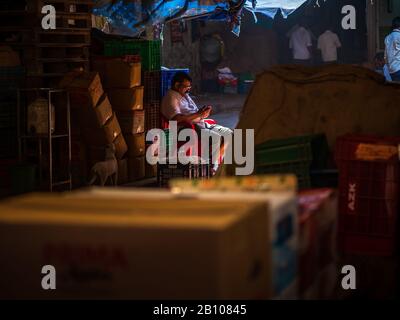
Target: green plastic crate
149,51
296,155
309,148
284,154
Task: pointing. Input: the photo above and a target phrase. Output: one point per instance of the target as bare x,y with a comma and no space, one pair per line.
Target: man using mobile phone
178,105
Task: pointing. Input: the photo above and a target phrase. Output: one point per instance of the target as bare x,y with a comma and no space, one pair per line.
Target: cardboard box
281,212
99,137
126,99
121,74
123,176
98,64
121,147
112,128
132,122
97,116
137,168
85,88
136,144
103,110
263,183
166,249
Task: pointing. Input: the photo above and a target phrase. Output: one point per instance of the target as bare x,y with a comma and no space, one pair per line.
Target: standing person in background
328,44
301,44
392,50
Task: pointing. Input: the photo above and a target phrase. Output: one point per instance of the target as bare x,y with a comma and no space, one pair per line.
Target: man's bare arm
195,117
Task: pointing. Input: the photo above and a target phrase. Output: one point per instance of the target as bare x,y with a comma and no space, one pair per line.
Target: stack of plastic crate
368,194
297,155
149,51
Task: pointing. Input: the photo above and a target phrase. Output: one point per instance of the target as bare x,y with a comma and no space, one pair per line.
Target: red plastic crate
368,194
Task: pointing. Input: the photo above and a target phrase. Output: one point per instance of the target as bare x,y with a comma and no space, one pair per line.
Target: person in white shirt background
392,50
328,44
301,44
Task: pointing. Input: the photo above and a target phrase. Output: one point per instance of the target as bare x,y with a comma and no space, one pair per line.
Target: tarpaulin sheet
136,15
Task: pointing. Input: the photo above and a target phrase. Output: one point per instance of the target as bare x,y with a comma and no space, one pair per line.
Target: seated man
177,105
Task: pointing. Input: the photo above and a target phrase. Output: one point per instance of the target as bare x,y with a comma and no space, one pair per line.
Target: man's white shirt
392,51
173,103
300,40
328,42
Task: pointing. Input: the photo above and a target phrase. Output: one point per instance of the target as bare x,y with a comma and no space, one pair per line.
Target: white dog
107,168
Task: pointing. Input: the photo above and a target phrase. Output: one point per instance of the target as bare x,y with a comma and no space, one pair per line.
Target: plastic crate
152,119
166,78
368,194
152,87
297,155
313,148
149,51
245,86
166,172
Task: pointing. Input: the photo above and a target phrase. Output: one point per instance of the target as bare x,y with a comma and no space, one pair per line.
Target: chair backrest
163,122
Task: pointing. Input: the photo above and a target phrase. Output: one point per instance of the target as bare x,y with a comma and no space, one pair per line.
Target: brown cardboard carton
123,176
136,144
126,99
97,116
166,249
85,88
132,122
121,74
99,65
282,212
100,137
103,110
263,183
136,168
121,147
112,129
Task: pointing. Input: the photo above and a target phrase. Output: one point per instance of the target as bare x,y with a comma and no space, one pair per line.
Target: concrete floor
226,107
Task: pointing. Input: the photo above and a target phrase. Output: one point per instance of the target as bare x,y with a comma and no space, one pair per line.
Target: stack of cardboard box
135,248
122,81
99,124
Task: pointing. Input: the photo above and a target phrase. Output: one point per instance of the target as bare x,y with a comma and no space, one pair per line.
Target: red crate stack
368,194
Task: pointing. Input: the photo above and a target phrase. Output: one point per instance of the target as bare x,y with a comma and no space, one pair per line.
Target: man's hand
205,112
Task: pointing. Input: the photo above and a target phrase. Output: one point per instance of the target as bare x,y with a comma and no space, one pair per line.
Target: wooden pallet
64,6
62,38
55,67
13,5
56,53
